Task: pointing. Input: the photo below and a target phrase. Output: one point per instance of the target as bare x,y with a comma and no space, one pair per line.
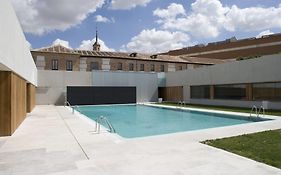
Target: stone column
105,64
83,64
40,62
171,67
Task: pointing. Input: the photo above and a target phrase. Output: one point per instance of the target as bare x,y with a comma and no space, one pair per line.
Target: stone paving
53,141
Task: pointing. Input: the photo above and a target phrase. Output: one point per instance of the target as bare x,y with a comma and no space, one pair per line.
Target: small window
94,66
131,67
141,67
162,68
152,67
180,67
69,65
55,64
119,66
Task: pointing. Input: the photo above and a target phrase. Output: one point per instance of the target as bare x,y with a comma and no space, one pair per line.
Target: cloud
61,42
43,16
29,45
207,18
88,45
99,18
264,33
172,11
153,41
127,4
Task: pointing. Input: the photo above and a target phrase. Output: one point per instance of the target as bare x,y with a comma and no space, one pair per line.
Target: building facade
233,48
61,58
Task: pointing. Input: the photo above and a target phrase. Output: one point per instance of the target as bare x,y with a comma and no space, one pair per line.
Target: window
94,66
162,68
69,65
231,92
180,67
152,67
119,66
200,91
55,64
131,67
141,67
267,91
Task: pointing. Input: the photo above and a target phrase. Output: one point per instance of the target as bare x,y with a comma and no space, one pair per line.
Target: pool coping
117,136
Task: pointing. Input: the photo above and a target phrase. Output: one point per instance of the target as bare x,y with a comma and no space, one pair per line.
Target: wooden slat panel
171,93
30,97
5,103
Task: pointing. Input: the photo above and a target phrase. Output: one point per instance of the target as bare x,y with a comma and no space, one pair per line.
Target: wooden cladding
30,97
13,102
171,93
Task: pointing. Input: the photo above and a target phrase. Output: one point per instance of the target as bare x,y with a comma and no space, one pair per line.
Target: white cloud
263,33
99,18
153,41
42,16
172,11
88,45
128,4
62,43
208,18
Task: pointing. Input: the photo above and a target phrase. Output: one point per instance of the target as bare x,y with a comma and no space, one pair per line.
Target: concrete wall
146,83
52,85
263,69
14,53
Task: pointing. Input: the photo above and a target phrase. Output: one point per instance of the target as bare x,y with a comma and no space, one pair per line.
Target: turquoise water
132,121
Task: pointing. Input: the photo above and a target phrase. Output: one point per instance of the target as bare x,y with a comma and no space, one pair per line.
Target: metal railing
103,119
257,111
66,103
181,103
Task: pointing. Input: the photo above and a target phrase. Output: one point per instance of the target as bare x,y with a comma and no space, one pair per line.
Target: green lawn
224,108
263,146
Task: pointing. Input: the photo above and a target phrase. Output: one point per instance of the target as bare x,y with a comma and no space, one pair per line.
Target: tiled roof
135,56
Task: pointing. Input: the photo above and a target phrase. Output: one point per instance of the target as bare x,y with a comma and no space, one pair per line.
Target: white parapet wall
263,69
146,83
15,55
258,70
52,85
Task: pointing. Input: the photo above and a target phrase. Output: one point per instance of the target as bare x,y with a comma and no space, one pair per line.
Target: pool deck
54,141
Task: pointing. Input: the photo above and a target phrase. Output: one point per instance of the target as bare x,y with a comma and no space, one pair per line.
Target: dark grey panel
89,95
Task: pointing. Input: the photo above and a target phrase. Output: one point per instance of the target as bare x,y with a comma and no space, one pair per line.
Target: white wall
14,51
146,83
52,85
263,69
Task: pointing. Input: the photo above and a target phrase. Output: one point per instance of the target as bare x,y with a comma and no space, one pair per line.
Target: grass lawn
263,146
224,108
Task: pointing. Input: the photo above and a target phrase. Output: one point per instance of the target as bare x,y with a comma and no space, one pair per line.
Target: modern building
18,73
233,48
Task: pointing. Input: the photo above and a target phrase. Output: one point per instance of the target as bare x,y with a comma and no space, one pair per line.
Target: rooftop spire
96,45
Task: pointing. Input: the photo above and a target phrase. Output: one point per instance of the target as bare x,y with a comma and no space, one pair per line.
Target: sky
150,26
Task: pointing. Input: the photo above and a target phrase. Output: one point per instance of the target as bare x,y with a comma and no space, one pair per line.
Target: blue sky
140,28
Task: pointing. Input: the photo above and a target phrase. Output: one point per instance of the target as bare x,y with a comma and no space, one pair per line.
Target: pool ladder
257,111
101,119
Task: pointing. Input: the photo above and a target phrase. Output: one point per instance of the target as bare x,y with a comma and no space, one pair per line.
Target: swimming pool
132,121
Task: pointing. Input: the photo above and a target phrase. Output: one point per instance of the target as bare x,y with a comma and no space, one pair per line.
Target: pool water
132,121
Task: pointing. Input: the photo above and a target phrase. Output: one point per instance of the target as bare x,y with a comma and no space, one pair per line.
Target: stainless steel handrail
263,111
252,110
66,103
106,121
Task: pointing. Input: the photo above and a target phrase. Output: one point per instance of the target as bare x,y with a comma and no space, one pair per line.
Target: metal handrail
103,119
263,111
256,110
66,103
